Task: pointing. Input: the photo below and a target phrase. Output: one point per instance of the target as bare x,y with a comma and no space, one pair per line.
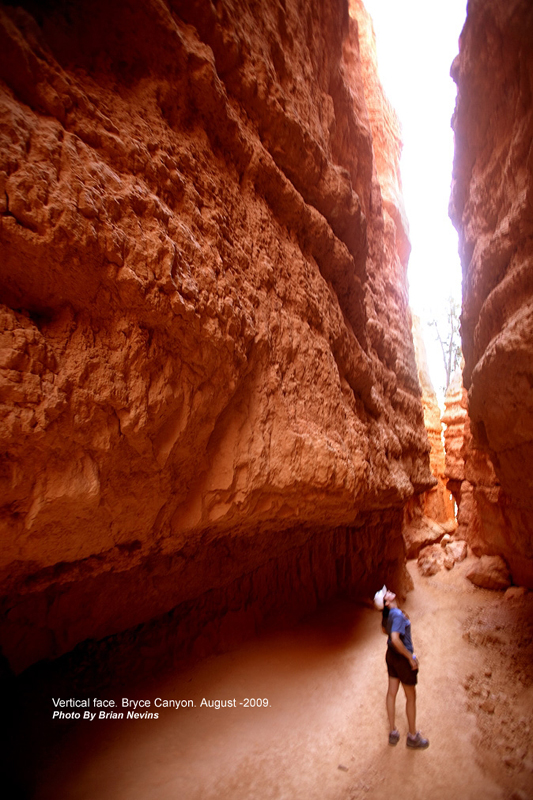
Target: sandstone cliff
428,516
457,440
209,399
454,419
471,478
492,207
437,504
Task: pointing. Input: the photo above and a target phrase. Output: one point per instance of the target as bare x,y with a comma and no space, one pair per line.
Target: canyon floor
324,732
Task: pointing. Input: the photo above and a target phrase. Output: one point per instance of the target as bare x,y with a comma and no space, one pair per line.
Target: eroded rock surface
490,572
437,504
430,515
209,397
457,439
493,210
445,553
472,479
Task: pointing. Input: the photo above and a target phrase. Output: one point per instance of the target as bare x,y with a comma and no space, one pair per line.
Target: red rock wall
459,458
454,420
471,479
437,503
492,208
206,361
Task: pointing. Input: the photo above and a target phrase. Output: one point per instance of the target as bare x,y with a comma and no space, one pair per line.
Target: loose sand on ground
324,733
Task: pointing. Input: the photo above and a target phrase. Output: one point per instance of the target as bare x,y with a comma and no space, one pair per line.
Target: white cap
379,598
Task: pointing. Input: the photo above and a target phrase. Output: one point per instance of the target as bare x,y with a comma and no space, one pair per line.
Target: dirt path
324,733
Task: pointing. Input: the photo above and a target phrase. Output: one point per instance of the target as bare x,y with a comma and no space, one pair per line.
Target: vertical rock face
457,439
431,514
492,207
454,419
471,479
437,503
208,386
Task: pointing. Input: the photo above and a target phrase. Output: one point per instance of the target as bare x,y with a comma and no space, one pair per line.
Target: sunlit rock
430,515
492,210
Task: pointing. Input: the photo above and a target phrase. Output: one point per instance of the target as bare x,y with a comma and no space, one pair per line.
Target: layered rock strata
455,418
208,386
430,515
492,208
437,504
471,478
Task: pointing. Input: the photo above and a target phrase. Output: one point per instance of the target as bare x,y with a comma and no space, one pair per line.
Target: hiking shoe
417,742
394,737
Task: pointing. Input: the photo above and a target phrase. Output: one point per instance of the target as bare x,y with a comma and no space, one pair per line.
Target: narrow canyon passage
324,734
213,423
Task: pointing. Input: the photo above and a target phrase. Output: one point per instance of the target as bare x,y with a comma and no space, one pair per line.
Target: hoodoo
492,207
209,403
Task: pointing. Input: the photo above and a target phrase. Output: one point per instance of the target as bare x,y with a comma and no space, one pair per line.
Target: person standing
402,667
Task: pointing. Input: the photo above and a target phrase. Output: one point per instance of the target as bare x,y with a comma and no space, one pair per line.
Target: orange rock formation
454,419
471,478
436,504
428,516
492,208
209,398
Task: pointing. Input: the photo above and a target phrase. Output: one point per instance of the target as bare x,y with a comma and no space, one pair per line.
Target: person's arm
402,649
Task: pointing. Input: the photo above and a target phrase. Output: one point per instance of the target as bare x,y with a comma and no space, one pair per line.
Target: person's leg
394,685
410,707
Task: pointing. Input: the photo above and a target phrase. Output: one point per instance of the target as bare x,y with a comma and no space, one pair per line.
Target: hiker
402,666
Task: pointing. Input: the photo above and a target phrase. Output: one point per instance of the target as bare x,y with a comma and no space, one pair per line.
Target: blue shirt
397,621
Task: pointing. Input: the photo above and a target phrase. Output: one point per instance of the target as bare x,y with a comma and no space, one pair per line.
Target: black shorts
399,667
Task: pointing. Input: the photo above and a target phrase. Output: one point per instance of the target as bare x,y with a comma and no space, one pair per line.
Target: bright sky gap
416,43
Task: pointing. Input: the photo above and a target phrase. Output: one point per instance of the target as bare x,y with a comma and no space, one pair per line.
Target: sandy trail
324,732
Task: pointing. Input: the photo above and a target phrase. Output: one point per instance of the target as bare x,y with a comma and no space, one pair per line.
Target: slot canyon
218,433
